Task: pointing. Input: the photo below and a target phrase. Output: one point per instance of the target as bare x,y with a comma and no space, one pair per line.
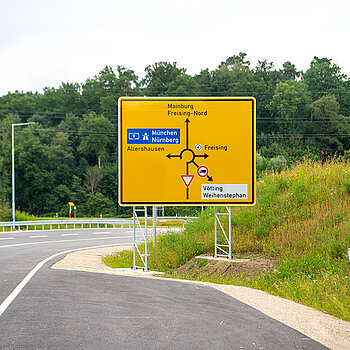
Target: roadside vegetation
6,213
70,153
301,221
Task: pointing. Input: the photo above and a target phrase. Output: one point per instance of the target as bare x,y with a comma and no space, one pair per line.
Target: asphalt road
61,309
20,252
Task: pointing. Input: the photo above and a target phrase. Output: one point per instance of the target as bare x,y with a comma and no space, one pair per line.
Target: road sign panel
164,142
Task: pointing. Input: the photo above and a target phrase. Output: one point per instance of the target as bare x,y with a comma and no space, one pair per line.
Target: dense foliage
70,154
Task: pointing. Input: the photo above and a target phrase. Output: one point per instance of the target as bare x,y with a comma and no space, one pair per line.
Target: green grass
6,213
301,219
163,224
123,259
202,262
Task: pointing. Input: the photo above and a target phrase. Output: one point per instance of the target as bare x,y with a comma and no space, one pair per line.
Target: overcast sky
45,42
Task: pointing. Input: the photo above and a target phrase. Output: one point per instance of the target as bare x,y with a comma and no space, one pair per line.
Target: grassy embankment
302,219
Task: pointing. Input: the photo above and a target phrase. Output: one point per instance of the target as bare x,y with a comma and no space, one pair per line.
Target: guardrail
63,224
76,223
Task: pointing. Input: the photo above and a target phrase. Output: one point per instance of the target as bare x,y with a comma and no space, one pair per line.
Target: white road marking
100,233
7,302
63,240
41,236
7,238
69,234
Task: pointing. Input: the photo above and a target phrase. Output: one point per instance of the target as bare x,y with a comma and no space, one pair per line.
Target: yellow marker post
187,151
71,204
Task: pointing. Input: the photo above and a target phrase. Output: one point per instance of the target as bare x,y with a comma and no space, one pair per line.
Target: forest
70,153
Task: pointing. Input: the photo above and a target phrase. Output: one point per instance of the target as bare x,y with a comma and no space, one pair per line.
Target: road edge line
12,296
60,241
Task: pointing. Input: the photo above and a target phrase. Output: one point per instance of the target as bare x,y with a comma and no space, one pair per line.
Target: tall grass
302,219
6,213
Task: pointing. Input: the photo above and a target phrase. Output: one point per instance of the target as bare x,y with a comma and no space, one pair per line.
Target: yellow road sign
71,204
186,151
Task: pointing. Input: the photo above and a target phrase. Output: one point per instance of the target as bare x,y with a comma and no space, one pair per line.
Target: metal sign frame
142,240
223,249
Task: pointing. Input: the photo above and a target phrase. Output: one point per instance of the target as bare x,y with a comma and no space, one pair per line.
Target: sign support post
225,249
154,226
137,242
134,236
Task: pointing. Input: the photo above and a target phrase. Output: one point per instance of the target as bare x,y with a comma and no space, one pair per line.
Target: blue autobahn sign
153,136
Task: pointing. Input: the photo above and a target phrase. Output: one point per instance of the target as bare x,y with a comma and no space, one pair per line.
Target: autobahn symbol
186,151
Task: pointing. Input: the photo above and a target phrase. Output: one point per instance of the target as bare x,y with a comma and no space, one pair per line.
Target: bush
277,163
98,203
5,211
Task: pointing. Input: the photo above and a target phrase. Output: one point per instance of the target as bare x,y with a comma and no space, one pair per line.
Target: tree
98,203
330,130
19,103
234,78
325,78
125,83
96,131
289,72
290,101
5,155
70,125
93,180
204,79
183,85
78,193
159,76
34,182
128,81
70,98
266,72
267,77
109,186
61,158
233,71
236,63
101,92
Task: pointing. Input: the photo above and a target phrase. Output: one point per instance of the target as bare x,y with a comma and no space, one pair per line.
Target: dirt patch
206,266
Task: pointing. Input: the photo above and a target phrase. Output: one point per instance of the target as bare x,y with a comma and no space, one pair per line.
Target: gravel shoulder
326,329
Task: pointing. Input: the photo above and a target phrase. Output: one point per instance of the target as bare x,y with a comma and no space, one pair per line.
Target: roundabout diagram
190,156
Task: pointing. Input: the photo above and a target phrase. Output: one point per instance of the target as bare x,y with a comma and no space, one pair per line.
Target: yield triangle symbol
187,179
